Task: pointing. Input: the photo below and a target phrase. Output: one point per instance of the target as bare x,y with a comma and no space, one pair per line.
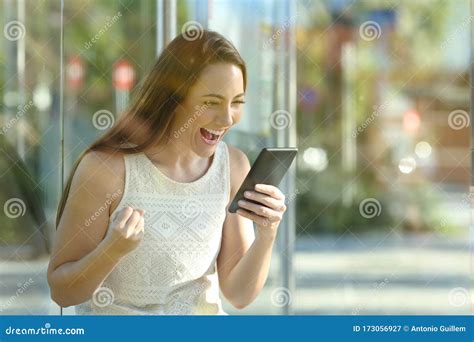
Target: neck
175,155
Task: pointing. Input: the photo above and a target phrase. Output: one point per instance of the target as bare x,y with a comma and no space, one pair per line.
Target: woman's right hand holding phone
125,231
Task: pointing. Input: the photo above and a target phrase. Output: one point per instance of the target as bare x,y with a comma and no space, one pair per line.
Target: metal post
61,103
10,72
349,142
20,65
287,137
166,15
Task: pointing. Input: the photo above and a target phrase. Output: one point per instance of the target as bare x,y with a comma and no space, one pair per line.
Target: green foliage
321,208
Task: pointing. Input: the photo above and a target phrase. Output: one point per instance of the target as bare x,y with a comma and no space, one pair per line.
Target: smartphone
270,167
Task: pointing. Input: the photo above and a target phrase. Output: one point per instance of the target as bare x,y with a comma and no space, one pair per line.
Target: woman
142,224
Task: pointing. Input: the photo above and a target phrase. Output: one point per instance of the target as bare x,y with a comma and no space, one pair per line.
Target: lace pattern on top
173,270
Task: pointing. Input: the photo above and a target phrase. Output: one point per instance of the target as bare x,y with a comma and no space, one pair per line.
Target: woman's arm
244,258
85,251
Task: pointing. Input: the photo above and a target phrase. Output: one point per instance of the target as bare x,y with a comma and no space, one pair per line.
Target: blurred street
376,95
375,274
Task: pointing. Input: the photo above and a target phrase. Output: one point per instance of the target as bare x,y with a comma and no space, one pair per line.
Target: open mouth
210,136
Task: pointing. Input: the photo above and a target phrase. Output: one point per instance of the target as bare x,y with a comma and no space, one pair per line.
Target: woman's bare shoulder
101,173
105,162
90,199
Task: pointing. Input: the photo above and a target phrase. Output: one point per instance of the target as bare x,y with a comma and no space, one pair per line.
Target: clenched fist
125,231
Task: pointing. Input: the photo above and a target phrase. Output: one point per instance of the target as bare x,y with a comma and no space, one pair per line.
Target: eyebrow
220,96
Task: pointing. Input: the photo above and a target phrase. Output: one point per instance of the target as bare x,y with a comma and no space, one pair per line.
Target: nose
224,119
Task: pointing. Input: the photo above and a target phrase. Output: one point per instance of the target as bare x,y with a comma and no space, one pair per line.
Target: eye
211,103
238,102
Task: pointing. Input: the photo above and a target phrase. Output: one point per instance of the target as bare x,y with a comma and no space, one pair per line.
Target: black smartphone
270,167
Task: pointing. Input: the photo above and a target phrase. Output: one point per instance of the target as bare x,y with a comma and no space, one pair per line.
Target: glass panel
102,40
384,165
383,133
258,21
109,47
29,152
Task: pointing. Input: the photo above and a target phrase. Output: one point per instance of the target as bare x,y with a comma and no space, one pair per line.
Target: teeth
213,131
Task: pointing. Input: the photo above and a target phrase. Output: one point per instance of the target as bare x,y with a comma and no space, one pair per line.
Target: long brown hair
148,119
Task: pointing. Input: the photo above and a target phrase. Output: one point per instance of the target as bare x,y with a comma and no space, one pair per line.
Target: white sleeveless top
173,270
